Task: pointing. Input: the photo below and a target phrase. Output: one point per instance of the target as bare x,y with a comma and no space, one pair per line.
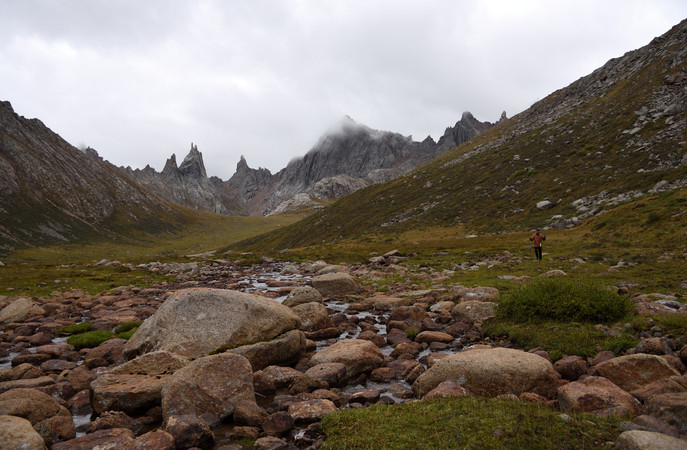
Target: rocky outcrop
189,185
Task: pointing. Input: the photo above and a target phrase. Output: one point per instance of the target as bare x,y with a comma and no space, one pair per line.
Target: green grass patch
89,339
126,330
560,339
563,300
468,422
76,328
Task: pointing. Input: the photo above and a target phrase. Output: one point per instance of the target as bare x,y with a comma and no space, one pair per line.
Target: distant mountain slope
345,159
51,192
615,135
188,185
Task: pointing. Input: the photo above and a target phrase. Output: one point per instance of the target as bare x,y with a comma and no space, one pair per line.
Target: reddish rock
57,366
365,396
155,440
358,355
411,348
448,388
270,443
80,378
18,433
30,383
113,419
30,404
334,374
597,395
20,372
632,372
571,367
396,336
110,351
188,431
670,407
278,424
305,383
56,429
212,384
382,375
674,384
245,432
408,312
639,439
276,376
311,410
117,438
373,337
653,346
80,403
247,412
434,336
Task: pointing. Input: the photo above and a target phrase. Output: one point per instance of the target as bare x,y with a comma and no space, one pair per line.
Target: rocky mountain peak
193,164
171,165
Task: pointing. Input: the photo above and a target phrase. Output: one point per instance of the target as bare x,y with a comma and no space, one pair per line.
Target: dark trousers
537,253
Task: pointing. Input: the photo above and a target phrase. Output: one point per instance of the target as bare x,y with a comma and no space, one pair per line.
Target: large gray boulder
20,310
194,322
209,385
336,284
490,372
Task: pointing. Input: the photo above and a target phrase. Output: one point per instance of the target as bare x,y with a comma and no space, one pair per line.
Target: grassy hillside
602,141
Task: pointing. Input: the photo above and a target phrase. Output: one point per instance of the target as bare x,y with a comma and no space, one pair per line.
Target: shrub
75,328
89,339
562,300
127,334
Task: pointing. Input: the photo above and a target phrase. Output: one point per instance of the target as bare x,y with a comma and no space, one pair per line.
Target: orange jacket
537,238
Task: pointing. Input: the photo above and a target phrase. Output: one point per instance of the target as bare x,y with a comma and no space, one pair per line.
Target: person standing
537,239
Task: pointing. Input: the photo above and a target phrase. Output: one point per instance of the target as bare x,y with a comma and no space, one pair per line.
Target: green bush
127,334
89,339
75,328
563,300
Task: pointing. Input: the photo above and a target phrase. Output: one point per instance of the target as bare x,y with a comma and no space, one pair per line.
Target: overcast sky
139,80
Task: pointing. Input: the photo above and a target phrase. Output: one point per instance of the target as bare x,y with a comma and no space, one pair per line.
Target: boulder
668,385
448,388
20,310
110,351
311,410
648,440
314,316
336,284
155,440
670,407
357,355
474,311
434,336
18,433
209,385
302,294
334,374
275,377
188,431
194,322
284,349
571,367
632,372
491,372
278,423
270,443
56,429
115,438
136,385
597,395
30,404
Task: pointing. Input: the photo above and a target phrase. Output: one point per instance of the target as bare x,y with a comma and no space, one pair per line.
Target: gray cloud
141,80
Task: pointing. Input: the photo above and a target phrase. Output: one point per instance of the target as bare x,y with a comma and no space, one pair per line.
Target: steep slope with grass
615,136
52,192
